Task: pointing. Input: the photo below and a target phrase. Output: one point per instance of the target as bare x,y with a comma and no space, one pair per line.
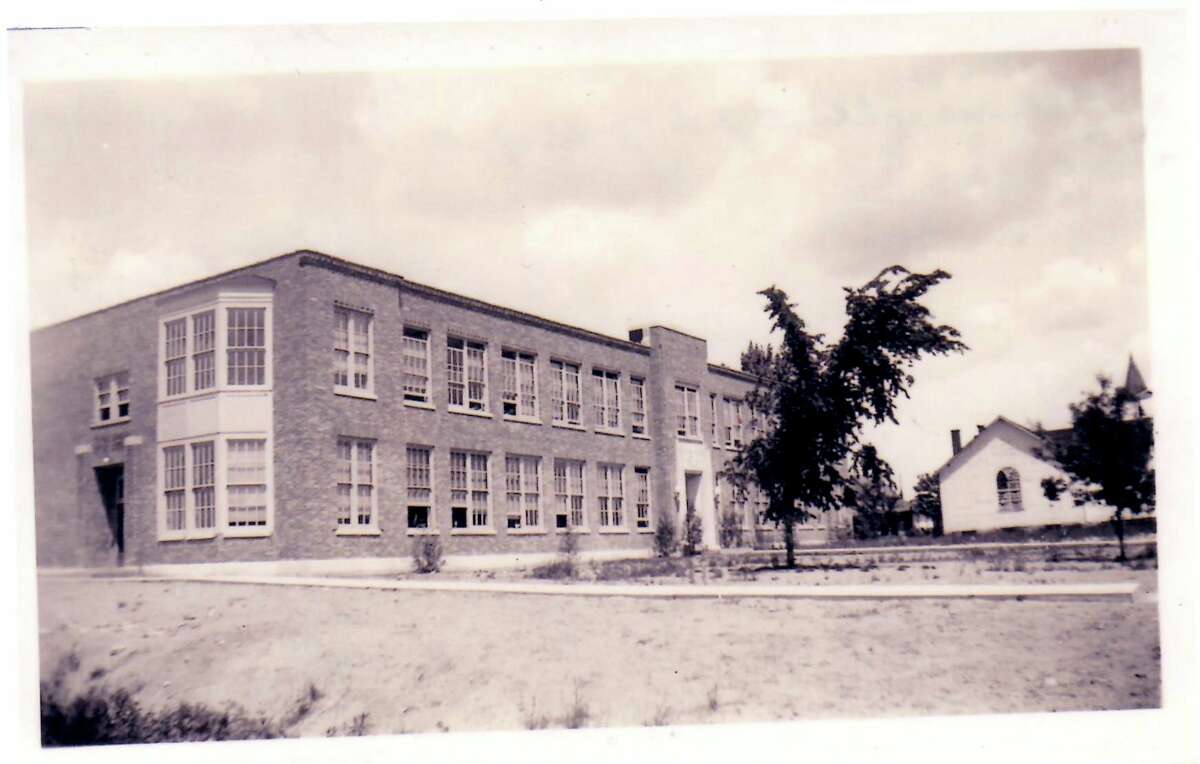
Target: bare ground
417,661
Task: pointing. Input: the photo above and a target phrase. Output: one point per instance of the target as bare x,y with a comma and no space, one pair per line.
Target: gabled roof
1031,438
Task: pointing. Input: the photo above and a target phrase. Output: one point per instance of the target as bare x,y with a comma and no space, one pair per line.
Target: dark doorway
111,482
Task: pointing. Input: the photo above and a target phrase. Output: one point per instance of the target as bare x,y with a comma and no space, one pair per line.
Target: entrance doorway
111,482
691,485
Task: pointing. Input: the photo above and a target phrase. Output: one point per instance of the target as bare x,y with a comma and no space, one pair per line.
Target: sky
621,195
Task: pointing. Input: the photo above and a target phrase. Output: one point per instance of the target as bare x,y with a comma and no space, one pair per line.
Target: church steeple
1135,385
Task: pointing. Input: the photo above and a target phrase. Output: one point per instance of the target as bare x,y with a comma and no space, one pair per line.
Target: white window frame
431,526
220,488
564,374
349,368
564,495
220,307
1009,498
643,500
519,384
610,497
735,423
111,385
714,427
606,400
470,404
638,419
469,489
354,527
687,414
414,395
526,486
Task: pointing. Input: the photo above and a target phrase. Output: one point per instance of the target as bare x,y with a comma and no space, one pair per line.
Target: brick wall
309,418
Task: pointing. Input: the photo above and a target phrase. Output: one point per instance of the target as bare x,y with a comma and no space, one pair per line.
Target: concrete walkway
1122,591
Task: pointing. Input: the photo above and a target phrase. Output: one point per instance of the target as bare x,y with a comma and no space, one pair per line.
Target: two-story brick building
308,408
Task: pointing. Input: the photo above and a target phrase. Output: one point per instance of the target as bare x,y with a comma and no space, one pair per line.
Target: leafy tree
814,398
872,494
1108,455
928,500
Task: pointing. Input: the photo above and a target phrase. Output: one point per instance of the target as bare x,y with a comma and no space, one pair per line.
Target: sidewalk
1120,591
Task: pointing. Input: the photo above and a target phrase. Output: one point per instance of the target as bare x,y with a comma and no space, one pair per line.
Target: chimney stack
956,440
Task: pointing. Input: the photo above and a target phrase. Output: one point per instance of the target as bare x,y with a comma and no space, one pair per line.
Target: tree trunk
789,541
1118,522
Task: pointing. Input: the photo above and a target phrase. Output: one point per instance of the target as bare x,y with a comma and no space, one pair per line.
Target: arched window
1008,490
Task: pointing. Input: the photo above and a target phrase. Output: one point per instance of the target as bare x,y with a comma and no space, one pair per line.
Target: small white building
995,481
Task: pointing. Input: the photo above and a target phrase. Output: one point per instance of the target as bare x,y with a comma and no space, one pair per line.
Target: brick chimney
956,441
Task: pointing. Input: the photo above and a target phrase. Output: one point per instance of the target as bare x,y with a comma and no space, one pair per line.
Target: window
468,490
175,355
1008,490
568,493
352,350
712,412
246,482
189,490
355,484
522,478
520,384
204,495
734,423
416,365
637,417
204,334
246,346
211,348
610,494
175,486
641,483
567,395
687,404
420,486
112,398
606,399
761,503
466,374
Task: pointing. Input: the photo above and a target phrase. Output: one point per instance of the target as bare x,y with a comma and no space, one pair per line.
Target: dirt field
416,662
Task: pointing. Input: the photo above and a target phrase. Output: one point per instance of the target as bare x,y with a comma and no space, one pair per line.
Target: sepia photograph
603,381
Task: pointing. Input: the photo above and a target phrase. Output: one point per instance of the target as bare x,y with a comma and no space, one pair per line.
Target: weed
304,704
662,716
579,714
534,720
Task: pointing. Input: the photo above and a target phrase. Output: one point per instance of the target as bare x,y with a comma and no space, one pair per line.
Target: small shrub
729,533
428,555
666,539
693,533
568,547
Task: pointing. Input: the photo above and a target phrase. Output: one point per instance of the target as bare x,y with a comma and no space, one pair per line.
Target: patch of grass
101,715
356,727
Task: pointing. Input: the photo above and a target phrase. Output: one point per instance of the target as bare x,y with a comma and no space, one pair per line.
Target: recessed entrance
110,481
